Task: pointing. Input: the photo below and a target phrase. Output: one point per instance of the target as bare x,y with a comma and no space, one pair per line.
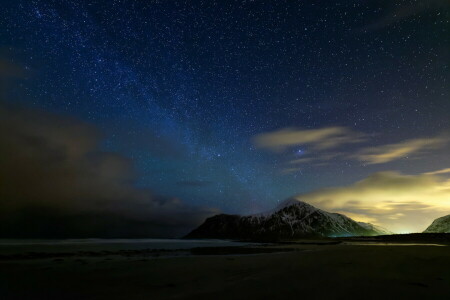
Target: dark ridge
292,220
404,238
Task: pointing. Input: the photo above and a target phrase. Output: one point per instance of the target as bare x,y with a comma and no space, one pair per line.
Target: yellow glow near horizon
400,203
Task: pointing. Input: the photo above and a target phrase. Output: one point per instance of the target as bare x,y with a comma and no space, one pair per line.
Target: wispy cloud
386,153
318,159
194,183
443,171
325,141
401,203
319,139
289,170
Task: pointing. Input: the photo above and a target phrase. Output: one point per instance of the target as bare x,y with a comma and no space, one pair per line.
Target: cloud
289,170
378,154
318,159
322,143
56,182
443,171
401,203
303,160
194,183
10,70
319,139
408,148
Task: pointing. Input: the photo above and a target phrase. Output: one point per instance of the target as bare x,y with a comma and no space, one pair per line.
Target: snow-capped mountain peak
291,219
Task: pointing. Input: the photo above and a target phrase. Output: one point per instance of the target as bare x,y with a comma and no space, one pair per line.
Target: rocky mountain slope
292,219
440,225
380,230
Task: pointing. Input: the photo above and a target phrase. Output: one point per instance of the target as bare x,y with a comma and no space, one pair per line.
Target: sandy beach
317,271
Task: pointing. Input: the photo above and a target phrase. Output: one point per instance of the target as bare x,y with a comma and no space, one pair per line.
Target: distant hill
380,230
292,219
440,225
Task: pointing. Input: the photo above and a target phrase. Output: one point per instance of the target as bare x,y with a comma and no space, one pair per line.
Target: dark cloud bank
55,182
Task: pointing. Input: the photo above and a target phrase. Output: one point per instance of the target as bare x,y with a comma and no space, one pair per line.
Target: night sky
235,106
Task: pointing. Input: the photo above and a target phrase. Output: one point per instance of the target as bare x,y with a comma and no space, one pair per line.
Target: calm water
73,245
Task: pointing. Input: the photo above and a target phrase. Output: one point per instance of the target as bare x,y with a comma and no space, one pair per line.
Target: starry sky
238,105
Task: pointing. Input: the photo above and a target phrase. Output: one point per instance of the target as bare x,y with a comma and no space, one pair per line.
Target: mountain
440,225
380,230
292,219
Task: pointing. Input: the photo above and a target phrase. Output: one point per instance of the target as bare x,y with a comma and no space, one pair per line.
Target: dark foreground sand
340,271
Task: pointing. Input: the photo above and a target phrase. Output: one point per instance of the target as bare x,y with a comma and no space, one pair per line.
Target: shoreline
232,247
317,271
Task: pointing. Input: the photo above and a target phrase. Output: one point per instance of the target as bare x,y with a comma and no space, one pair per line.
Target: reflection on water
72,245
390,244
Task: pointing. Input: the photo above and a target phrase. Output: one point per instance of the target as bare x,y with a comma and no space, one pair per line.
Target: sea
19,246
